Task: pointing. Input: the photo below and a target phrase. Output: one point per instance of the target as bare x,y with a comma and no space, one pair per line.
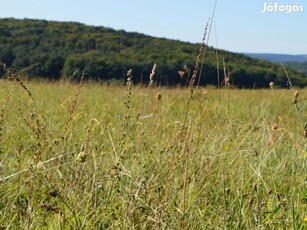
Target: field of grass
102,157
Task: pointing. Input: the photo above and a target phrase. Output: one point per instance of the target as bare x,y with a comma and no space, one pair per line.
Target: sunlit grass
240,160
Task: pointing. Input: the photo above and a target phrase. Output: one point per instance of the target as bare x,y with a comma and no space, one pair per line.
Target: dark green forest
62,48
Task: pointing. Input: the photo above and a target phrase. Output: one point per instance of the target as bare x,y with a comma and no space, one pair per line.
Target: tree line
62,48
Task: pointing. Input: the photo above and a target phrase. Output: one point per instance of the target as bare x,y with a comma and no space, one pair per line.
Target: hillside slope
295,62
278,57
298,66
63,47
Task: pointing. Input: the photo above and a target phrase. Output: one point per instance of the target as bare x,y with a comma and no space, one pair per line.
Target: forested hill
63,47
295,62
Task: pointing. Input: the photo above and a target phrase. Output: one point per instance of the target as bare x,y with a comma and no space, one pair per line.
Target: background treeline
299,66
61,48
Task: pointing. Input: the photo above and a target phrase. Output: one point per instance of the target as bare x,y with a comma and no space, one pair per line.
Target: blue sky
239,25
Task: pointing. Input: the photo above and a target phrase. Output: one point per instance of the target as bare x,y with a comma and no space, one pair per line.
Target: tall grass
123,166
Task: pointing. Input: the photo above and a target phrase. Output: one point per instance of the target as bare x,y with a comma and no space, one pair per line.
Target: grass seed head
274,127
54,193
295,97
81,157
158,96
153,72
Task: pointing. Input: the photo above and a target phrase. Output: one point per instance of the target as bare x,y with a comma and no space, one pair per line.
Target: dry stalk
158,98
126,115
296,103
73,107
13,76
182,137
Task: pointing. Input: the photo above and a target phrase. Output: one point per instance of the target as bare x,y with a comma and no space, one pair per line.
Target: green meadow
93,156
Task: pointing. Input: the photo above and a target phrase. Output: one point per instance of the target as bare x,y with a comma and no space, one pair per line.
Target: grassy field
102,157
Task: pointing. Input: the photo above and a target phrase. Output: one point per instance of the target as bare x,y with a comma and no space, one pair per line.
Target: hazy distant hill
278,57
295,62
298,66
63,47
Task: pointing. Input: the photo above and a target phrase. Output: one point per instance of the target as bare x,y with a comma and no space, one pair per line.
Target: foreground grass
114,157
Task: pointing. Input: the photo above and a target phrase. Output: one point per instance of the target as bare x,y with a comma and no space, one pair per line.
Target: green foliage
61,48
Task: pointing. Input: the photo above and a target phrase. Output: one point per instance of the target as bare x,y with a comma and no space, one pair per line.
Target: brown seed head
181,73
53,193
296,94
274,127
158,96
295,97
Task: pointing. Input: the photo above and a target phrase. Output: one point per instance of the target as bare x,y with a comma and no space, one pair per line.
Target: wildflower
272,85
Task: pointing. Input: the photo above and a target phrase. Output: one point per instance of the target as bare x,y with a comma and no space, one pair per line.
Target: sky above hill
238,25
